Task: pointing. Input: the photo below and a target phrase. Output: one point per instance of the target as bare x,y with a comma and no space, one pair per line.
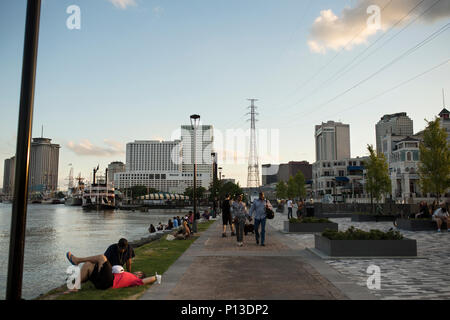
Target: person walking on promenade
258,209
240,214
226,216
289,206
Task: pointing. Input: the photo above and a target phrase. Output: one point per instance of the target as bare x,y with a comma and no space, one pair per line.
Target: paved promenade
215,268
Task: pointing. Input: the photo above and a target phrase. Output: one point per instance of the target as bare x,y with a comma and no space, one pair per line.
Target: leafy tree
233,189
292,188
434,167
378,181
199,192
300,181
281,190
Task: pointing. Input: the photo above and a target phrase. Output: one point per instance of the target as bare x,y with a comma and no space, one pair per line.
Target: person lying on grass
99,271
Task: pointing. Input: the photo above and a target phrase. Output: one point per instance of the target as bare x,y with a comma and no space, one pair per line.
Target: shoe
257,241
241,244
263,245
158,278
439,230
224,235
233,234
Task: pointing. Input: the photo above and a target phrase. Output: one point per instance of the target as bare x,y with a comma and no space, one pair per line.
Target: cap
117,269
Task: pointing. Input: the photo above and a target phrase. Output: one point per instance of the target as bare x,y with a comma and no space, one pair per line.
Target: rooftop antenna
443,98
253,164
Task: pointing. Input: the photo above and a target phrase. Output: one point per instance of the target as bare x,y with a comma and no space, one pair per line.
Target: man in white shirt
441,215
289,205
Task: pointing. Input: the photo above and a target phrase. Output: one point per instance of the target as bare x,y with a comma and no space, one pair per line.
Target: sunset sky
137,69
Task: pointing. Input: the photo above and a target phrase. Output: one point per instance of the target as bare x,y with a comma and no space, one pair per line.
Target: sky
137,69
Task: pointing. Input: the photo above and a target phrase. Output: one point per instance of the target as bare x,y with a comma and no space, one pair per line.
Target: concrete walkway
215,268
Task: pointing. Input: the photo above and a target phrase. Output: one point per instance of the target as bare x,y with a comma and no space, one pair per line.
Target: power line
328,63
403,55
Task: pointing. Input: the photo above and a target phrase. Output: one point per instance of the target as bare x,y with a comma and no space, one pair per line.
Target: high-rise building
397,124
273,173
153,156
332,141
204,150
8,176
44,163
113,168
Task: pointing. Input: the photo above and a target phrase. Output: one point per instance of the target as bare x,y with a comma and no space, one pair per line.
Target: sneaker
257,241
158,278
241,244
439,230
224,235
263,245
233,234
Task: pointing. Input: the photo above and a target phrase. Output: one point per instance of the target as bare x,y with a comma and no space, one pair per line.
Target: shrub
356,234
309,220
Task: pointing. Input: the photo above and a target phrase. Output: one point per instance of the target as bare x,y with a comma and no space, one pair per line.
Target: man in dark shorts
226,216
96,269
120,253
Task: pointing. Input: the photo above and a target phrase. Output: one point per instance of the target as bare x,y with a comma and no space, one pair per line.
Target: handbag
269,213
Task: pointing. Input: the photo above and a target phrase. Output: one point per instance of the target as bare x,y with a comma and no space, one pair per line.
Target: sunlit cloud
123,4
86,148
351,28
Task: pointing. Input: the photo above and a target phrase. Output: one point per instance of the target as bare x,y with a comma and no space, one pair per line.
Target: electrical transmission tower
253,165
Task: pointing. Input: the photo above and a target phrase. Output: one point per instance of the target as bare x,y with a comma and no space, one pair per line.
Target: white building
168,165
343,178
153,156
204,150
398,124
332,141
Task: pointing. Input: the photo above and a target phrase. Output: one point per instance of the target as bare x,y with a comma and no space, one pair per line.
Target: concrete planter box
372,217
366,248
418,225
309,227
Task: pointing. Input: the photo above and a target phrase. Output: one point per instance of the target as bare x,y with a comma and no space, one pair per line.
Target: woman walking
240,214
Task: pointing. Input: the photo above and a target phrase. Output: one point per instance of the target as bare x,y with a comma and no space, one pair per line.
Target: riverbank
152,255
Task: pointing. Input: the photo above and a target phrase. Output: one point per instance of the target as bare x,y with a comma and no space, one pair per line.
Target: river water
52,230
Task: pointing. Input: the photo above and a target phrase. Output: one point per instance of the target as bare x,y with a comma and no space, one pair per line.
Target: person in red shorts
124,279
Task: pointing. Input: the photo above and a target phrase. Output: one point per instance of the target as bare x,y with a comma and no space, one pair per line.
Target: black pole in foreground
19,207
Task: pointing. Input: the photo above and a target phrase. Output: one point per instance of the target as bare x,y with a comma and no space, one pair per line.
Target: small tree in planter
434,167
377,177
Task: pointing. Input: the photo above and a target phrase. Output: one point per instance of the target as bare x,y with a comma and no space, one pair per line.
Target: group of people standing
299,205
235,214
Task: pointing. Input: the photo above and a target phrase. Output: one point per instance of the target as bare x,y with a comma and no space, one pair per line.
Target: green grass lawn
157,256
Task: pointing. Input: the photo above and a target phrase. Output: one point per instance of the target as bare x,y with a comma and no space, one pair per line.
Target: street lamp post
195,119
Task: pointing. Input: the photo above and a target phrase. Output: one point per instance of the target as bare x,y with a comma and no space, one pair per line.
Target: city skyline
93,95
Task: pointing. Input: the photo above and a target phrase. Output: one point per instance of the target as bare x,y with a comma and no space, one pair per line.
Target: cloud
158,11
355,25
123,4
86,148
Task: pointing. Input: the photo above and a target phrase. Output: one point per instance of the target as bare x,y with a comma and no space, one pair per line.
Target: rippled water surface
52,230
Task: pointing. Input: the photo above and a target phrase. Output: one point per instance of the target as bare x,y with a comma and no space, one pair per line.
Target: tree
292,188
199,192
378,181
434,166
281,190
300,181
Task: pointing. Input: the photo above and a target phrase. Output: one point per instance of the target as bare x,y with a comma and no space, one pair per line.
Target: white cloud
158,11
330,31
86,148
123,4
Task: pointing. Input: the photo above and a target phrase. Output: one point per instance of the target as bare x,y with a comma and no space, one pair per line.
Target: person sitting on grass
169,225
184,232
160,227
441,215
123,279
120,253
152,229
205,215
175,222
99,271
